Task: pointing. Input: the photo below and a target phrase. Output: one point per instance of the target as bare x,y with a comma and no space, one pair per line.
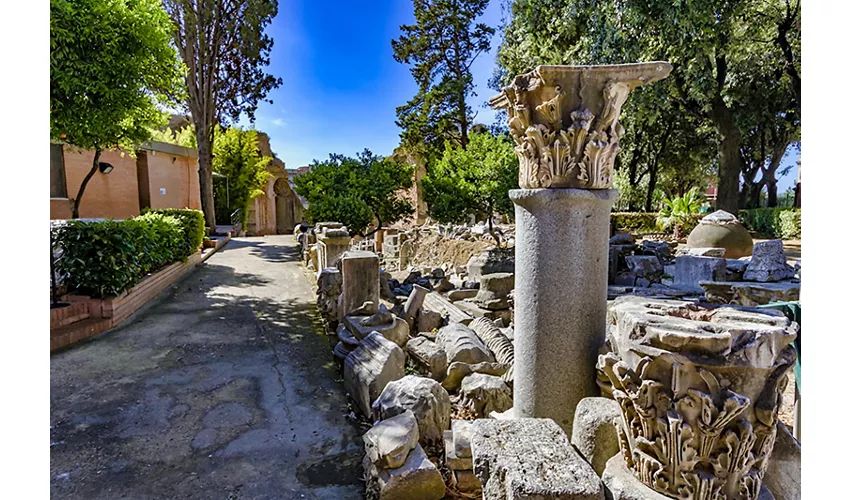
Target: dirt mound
433,250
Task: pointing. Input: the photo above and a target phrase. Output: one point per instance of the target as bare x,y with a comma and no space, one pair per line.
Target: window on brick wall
58,188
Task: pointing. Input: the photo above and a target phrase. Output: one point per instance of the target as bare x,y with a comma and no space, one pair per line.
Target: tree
237,156
223,44
110,66
729,60
356,191
473,181
441,47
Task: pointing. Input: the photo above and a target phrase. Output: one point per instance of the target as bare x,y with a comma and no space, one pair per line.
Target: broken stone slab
494,290
462,344
382,317
660,249
783,471
750,294
425,397
530,458
361,281
698,361
622,239
347,343
701,252
389,441
429,355
417,479
466,481
644,266
690,270
484,394
386,290
459,370
621,484
368,369
456,442
461,294
397,330
735,269
768,263
594,431
436,302
413,303
442,285
475,311
492,260
428,320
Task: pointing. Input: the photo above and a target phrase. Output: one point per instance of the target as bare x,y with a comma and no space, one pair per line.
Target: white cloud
277,122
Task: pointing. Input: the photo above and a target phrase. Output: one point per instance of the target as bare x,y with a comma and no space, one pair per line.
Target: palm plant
674,211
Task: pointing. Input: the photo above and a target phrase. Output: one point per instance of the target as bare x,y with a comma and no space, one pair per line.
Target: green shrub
790,224
634,222
772,222
192,222
106,258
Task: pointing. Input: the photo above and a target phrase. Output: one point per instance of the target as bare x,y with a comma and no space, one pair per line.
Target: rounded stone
722,232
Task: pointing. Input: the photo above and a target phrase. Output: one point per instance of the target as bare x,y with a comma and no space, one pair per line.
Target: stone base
530,458
476,311
621,484
594,431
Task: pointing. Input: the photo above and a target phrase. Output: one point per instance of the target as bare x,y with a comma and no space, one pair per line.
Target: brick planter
87,317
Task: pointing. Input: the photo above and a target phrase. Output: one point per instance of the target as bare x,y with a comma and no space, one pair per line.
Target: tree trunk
75,207
729,171
650,187
771,193
205,175
797,198
755,195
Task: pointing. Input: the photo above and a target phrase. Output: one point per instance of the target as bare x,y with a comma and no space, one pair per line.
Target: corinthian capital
565,121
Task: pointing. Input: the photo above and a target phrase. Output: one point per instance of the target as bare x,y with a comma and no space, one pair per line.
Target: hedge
645,222
192,221
106,258
772,222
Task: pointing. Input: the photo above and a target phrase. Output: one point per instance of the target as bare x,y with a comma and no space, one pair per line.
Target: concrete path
224,388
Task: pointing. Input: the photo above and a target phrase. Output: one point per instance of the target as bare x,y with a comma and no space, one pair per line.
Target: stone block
494,290
530,458
466,481
476,311
462,294
361,281
690,270
416,479
768,263
397,330
462,344
429,355
594,431
459,370
493,260
389,441
701,252
428,320
645,266
368,369
425,397
413,303
484,394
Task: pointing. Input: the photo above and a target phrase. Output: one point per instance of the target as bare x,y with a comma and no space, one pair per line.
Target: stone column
560,298
565,124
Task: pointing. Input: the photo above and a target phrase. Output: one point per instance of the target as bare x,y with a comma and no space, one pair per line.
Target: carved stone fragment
699,390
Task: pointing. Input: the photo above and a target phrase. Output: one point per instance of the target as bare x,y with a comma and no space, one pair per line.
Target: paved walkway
222,389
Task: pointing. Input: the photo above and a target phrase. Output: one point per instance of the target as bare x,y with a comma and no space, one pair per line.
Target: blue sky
341,85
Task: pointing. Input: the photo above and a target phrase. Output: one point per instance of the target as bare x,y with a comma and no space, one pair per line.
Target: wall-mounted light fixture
105,168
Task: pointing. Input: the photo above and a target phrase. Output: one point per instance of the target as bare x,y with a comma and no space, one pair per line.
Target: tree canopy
441,47
225,47
237,156
111,65
356,191
474,181
735,69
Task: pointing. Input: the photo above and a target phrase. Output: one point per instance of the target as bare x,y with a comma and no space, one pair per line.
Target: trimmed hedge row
192,221
645,222
773,222
106,258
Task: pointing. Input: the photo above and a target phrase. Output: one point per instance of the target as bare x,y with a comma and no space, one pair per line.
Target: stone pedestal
559,299
331,244
361,281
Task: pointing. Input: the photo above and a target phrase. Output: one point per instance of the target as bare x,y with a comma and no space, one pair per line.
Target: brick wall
178,175
113,195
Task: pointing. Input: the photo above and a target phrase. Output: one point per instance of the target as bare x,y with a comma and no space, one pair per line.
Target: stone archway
284,206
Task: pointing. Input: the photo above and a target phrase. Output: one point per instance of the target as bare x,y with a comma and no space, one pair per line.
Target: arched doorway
284,206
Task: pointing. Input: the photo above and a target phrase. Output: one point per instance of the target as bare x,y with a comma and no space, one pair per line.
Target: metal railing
236,220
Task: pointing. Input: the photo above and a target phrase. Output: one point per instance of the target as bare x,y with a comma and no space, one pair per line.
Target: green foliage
184,137
237,156
191,222
106,258
356,191
440,48
111,65
634,222
782,223
474,181
675,211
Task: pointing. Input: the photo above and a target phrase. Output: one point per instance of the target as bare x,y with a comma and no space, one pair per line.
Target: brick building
160,176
